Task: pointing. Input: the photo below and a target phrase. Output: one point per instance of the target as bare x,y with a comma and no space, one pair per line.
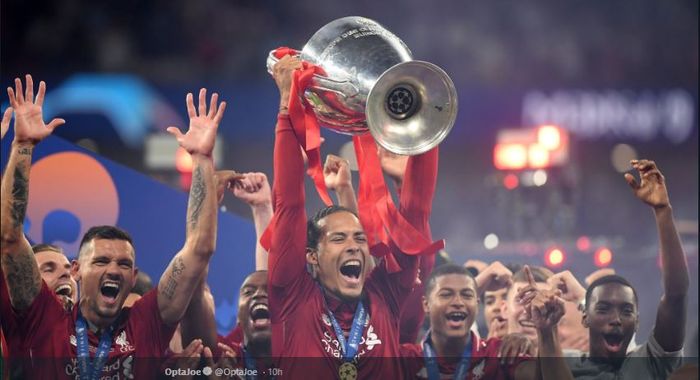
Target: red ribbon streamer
304,121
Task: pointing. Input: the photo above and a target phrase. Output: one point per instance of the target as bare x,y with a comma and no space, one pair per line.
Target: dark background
496,52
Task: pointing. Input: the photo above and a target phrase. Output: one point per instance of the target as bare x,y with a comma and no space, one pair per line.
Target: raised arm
418,189
254,189
336,173
187,268
18,263
287,259
544,308
669,330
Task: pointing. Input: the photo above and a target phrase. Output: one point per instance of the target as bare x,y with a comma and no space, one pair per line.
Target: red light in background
183,161
537,156
554,257
510,181
549,137
583,243
510,156
602,257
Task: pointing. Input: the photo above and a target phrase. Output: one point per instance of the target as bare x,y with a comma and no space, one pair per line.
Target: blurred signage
626,114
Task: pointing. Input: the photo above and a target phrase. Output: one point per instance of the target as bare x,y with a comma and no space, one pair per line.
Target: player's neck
449,347
338,298
96,323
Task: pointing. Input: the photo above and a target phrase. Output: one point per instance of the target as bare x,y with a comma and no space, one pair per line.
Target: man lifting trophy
327,301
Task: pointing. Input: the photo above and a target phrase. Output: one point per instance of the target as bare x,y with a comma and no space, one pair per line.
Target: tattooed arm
18,263
186,270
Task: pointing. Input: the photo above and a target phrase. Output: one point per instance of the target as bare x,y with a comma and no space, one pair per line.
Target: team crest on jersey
124,345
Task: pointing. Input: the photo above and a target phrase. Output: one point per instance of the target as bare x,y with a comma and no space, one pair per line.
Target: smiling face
493,312
451,306
253,312
106,273
612,318
54,268
515,312
341,256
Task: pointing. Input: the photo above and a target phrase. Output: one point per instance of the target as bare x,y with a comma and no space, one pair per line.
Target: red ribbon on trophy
382,222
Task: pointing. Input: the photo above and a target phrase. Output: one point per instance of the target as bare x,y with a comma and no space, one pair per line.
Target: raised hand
336,172
29,122
394,165
5,124
253,189
651,188
283,73
201,136
571,289
493,277
543,307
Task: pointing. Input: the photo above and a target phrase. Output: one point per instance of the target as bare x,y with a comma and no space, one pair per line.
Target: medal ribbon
350,346
431,361
88,370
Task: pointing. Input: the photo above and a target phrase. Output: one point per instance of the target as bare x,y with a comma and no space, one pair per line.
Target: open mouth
456,319
526,323
613,341
260,315
351,270
109,291
64,290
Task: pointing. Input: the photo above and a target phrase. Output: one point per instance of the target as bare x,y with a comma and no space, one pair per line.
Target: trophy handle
320,83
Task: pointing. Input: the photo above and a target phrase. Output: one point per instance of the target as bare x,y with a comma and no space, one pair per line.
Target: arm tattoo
24,151
20,271
19,195
175,273
197,194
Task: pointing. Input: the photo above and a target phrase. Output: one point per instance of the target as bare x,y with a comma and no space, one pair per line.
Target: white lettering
622,114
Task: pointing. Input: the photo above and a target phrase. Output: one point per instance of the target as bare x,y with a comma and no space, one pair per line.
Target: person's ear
311,256
425,305
75,269
584,319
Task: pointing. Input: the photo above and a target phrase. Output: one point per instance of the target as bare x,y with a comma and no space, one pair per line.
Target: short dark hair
444,270
314,231
104,232
41,247
143,283
611,279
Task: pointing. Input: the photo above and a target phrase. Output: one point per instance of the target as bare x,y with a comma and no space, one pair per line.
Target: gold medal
347,371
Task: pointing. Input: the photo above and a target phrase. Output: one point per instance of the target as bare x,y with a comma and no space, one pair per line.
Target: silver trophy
372,83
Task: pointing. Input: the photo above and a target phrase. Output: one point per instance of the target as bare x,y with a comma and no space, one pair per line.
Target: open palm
29,123
201,135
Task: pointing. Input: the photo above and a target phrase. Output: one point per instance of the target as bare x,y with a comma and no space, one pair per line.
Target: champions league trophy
371,82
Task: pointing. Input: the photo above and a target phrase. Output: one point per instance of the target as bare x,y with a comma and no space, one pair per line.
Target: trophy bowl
372,83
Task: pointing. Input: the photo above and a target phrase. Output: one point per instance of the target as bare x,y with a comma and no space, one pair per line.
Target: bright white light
539,177
491,241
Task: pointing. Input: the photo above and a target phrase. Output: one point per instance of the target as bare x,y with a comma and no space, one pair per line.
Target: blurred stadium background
617,79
